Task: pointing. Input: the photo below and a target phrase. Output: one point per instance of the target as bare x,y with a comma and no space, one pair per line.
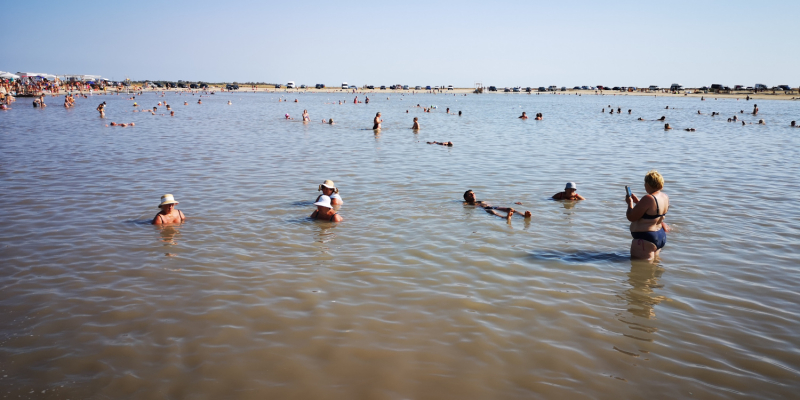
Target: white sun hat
324,201
571,185
167,199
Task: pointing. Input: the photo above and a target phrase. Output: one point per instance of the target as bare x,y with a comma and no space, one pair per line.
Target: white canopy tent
8,75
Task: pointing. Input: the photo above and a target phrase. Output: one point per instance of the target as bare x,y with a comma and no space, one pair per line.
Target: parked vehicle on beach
653,87
784,87
675,87
738,87
370,87
759,86
383,87
600,87
717,86
528,89
194,86
563,88
507,90
231,86
417,87
492,88
616,88
428,87
516,89
290,85
450,87
706,88
182,85
405,87
319,86
552,88
344,85
542,89
302,86
277,86
576,88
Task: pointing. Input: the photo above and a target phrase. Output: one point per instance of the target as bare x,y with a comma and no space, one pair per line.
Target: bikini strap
161,217
656,199
181,214
333,216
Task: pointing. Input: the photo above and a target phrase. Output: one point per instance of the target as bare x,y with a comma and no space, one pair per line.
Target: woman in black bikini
169,214
325,211
648,229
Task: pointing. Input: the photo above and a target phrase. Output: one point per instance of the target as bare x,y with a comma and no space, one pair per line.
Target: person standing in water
648,229
416,124
377,122
168,214
102,109
325,211
306,118
569,193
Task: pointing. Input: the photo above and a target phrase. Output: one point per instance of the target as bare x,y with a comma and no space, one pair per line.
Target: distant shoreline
389,92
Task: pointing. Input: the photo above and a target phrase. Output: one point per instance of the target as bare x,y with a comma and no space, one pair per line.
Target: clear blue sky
503,43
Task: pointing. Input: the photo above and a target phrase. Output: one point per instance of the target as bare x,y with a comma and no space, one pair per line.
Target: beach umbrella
8,75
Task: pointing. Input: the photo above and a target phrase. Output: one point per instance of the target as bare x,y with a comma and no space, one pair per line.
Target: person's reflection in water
168,234
643,278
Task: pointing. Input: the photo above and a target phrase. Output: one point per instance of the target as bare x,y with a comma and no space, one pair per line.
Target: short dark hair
467,192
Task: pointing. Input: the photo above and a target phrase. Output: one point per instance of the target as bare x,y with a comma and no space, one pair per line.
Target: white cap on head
324,201
571,185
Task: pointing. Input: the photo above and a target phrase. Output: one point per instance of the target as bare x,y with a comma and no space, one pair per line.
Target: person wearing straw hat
569,193
328,188
168,214
325,211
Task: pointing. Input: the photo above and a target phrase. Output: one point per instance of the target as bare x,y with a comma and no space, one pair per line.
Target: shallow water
414,295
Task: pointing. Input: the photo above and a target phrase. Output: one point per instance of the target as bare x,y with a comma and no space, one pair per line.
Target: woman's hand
635,199
629,200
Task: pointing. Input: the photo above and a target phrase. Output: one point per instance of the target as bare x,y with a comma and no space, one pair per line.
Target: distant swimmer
648,229
689,129
699,113
448,144
569,193
416,124
168,108
102,109
287,116
199,101
186,103
755,109
4,107
459,113
523,116
663,118
172,113
377,122
355,101
325,211
761,122
306,118
328,188
366,100
793,124
629,111
168,214
469,198
229,103
295,100
667,127
539,116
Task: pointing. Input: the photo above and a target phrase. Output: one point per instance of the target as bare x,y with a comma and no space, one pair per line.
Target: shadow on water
581,256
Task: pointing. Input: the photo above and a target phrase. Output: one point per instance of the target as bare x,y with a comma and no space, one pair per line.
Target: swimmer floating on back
469,198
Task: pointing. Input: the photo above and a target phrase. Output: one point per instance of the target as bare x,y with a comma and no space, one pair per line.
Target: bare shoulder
157,219
338,218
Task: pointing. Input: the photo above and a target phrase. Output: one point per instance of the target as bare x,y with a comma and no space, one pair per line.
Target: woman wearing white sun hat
325,211
168,214
569,193
328,188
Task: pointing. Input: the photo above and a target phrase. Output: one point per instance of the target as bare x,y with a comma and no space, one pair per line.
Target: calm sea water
414,295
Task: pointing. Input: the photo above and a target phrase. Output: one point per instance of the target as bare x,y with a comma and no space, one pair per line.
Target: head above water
571,185
469,195
328,185
654,180
323,203
167,200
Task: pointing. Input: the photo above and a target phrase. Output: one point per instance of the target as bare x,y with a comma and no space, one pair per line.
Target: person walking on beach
469,198
325,211
377,122
648,229
168,214
569,193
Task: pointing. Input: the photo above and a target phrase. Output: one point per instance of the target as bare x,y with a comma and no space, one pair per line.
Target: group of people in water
646,214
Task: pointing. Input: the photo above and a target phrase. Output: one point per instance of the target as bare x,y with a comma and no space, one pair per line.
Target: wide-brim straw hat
167,199
328,184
